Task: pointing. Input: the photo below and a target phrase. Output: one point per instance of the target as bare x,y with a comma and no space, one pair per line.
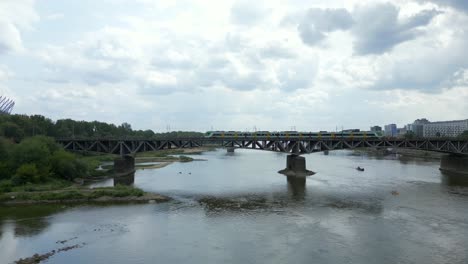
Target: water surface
236,208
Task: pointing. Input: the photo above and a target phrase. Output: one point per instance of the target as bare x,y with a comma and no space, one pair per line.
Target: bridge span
295,146
292,145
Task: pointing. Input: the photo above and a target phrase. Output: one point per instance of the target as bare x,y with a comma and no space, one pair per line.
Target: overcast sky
236,65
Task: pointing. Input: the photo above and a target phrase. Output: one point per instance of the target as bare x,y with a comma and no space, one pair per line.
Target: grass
50,185
117,191
75,194
185,159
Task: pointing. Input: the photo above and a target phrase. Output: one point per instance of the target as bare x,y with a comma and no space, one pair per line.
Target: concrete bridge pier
124,165
296,168
230,149
124,169
454,164
128,179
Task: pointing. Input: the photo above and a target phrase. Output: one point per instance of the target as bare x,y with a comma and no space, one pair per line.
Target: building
445,128
417,127
390,130
376,129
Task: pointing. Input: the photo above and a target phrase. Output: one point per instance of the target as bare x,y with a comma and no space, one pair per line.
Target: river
236,208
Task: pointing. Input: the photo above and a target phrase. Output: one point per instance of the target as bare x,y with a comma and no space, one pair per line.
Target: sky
236,65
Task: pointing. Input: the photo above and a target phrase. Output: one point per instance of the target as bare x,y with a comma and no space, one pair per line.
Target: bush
6,186
66,166
31,150
5,170
26,173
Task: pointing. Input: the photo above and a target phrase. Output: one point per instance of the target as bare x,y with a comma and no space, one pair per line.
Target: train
355,134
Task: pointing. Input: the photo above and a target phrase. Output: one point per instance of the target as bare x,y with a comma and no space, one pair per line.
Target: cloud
15,16
171,63
461,5
10,38
247,13
317,23
277,51
378,27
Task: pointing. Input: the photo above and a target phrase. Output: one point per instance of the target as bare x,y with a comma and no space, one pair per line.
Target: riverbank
75,194
55,191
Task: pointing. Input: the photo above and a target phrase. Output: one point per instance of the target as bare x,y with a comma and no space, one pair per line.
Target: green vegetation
17,127
464,135
74,193
410,135
38,160
117,191
185,159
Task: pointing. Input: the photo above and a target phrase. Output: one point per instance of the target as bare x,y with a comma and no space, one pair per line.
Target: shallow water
236,208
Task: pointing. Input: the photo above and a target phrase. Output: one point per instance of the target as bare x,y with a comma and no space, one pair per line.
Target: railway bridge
294,146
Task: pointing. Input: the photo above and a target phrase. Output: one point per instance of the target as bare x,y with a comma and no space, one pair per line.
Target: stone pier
296,168
230,150
454,164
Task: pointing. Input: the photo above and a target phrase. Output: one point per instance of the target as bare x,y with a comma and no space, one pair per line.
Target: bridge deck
299,145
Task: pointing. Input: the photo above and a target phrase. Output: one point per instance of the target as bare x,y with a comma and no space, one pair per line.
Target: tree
66,166
12,130
26,173
5,154
410,135
35,150
464,135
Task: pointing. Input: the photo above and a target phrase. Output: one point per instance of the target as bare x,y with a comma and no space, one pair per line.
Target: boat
360,169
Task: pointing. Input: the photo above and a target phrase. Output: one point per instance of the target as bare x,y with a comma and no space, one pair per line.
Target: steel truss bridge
292,145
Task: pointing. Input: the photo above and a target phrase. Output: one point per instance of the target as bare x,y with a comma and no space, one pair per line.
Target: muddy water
235,208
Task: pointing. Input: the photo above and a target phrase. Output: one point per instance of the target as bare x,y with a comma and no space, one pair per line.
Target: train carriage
294,134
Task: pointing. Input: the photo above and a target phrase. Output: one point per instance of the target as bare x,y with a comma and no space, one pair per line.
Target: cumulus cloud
317,23
378,27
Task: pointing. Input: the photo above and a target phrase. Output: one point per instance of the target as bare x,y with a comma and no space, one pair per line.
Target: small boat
360,169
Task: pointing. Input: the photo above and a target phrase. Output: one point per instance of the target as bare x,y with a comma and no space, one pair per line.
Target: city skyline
234,65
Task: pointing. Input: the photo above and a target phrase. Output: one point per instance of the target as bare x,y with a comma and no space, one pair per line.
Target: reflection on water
454,179
236,208
27,220
296,187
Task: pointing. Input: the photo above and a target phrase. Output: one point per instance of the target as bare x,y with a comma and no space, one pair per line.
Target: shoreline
77,194
146,198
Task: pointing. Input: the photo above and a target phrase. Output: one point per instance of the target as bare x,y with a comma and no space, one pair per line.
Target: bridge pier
296,168
124,165
128,179
454,164
230,149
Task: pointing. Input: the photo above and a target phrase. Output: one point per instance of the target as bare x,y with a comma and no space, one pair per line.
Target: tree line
18,127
